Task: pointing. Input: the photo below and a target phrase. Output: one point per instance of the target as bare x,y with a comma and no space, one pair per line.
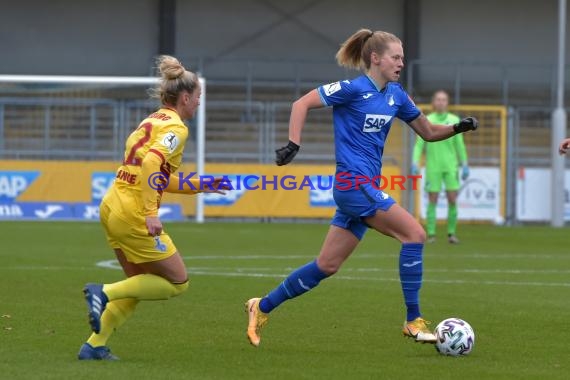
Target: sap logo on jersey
100,183
13,183
374,123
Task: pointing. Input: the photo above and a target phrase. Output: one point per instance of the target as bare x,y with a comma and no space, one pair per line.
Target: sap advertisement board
533,195
37,190
66,190
479,197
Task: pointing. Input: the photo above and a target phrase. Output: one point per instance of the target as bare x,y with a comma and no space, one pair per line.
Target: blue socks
309,276
411,269
298,282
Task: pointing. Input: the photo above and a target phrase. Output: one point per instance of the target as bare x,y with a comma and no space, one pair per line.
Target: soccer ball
455,337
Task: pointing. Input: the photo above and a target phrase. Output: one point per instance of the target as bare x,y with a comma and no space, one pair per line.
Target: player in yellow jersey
129,211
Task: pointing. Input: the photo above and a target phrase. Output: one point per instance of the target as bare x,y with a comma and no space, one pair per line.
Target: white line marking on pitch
113,264
265,257
357,255
379,279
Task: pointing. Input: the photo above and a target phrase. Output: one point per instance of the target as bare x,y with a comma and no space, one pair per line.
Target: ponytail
355,52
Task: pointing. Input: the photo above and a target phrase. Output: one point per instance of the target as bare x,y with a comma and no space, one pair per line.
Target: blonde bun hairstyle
174,79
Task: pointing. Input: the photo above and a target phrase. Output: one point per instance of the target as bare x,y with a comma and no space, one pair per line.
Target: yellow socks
147,287
116,313
123,299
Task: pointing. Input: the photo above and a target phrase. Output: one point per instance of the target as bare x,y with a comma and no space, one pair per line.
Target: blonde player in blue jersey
129,211
363,111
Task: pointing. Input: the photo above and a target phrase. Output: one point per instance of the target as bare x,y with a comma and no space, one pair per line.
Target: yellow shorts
133,238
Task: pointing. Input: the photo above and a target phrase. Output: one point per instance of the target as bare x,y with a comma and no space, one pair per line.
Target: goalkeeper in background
442,166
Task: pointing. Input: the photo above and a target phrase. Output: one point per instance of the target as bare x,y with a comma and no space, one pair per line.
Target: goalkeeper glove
467,124
286,154
465,172
414,169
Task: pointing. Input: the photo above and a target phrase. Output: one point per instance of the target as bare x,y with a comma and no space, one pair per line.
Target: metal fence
96,129
237,131
89,129
482,82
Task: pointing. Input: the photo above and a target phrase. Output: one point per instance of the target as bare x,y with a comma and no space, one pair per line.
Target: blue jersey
363,115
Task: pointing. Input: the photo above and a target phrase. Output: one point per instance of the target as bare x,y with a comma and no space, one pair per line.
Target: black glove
286,154
467,124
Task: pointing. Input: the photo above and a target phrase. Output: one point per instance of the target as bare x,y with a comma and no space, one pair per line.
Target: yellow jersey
162,133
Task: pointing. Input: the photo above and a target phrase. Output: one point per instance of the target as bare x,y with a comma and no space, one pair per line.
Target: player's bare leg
130,269
337,247
398,223
171,269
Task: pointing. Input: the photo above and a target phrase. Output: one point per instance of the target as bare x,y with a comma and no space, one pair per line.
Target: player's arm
409,113
186,186
195,186
299,112
297,121
168,143
150,165
430,132
324,96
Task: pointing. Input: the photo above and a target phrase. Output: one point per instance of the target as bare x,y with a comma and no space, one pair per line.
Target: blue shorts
354,205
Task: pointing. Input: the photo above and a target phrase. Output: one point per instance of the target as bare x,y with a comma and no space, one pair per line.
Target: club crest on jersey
382,195
331,88
374,123
391,101
170,141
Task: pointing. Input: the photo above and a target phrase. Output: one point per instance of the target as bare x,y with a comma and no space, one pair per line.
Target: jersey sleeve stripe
158,154
320,91
414,117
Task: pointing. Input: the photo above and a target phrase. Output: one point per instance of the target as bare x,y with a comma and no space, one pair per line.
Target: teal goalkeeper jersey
443,155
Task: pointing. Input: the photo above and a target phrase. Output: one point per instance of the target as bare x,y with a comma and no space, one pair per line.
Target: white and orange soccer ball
455,337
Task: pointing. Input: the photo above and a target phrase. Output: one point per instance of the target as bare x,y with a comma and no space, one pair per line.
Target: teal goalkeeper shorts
434,180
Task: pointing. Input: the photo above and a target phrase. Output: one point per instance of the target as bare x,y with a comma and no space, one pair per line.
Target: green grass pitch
511,284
